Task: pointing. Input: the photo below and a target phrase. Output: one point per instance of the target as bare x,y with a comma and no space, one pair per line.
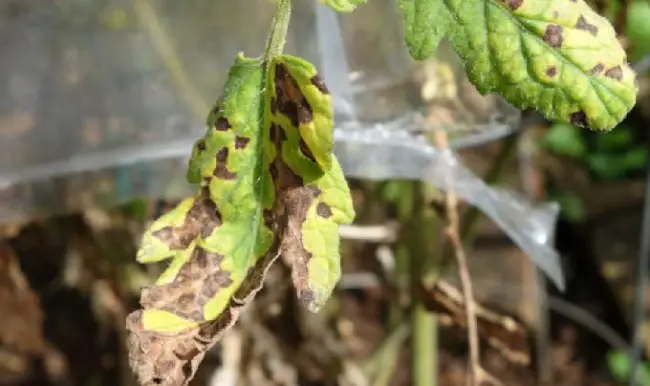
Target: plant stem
279,26
469,220
424,344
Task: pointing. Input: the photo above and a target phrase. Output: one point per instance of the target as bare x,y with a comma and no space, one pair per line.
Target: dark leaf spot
241,142
306,151
318,82
201,258
200,145
274,106
273,132
579,119
315,190
324,210
187,369
615,73
514,4
291,101
267,214
553,35
551,71
221,279
221,170
186,299
274,172
597,69
584,25
222,124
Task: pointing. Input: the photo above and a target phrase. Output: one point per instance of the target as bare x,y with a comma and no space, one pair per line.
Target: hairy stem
279,26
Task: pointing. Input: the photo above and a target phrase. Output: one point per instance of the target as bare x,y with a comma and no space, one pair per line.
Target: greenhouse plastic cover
96,106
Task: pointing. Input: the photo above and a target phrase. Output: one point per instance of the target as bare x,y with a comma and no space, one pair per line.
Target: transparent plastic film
382,153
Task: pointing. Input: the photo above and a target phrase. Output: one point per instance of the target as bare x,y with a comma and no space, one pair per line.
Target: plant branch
452,231
469,220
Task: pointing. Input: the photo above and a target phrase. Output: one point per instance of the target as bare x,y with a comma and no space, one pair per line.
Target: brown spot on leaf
514,4
274,172
222,124
200,145
597,69
277,133
306,151
274,105
221,170
553,35
291,101
186,296
586,26
241,142
315,190
221,279
551,71
319,83
269,218
615,73
324,210
579,119
273,132
186,300
202,218
297,202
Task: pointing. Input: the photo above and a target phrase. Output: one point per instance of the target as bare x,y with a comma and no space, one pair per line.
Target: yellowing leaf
268,184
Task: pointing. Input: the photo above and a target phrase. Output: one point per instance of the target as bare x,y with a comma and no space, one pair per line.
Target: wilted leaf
269,184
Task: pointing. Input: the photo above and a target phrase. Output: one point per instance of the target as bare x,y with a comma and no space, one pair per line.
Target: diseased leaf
557,56
268,185
311,185
214,239
343,5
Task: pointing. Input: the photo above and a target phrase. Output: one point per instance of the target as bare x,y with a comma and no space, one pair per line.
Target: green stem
424,344
279,26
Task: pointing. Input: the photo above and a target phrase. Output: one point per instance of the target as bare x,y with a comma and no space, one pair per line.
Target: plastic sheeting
96,109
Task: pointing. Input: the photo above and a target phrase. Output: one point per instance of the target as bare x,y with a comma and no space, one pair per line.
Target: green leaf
573,207
343,5
426,22
557,56
620,365
616,140
606,166
638,28
635,159
564,140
